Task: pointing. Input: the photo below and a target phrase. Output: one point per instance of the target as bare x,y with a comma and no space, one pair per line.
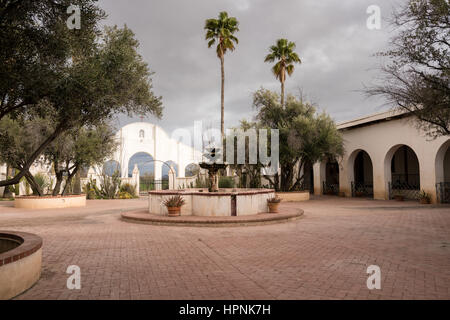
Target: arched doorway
331,183
146,167
405,173
191,170
362,184
110,167
442,167
166,168
308,178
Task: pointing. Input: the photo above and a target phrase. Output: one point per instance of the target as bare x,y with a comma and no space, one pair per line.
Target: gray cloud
332,40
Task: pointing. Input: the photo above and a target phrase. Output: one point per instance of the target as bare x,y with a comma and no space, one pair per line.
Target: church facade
150,148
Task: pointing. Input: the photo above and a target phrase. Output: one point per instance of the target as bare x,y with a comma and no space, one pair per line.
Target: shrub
423,195
109,186
275,199
174,201
91,190
42,181
201,181
128,188
125,195
226,182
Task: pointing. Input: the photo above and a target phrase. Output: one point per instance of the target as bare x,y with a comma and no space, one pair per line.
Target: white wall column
380,191
158,173
319,177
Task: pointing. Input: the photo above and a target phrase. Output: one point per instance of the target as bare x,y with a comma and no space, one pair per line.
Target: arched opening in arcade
405,173
308,178
442,167
191,170
166,169
146,166
331,183
362,184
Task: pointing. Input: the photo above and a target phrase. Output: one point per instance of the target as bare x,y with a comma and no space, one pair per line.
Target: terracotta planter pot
273,207
174,211
424,201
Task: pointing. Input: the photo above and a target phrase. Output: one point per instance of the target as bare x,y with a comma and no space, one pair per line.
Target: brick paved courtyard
323,255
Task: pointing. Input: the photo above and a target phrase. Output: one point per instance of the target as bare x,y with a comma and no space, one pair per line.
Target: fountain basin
20,262
226,202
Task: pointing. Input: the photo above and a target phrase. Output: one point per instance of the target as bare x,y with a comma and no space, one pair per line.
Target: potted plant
424,197
174,204
273,204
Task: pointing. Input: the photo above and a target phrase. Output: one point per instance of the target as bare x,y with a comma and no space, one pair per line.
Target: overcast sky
333,42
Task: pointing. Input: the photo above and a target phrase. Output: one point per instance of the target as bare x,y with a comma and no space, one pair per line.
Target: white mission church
151,149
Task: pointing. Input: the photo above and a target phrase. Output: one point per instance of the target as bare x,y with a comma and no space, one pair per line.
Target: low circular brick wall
20,262
50,202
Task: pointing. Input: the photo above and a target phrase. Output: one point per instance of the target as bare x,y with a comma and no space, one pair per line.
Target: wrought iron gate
405,189
362,189
330,188
443,192
147,184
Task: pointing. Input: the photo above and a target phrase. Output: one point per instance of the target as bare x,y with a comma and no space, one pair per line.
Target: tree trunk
77,184
7,193
222,96
286,177
34,186
32,158
300,176
69,180
282,79
59,179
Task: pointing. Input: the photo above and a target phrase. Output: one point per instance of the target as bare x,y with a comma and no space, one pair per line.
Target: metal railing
402,181
404,189
146,185
362,189
443,192
330,188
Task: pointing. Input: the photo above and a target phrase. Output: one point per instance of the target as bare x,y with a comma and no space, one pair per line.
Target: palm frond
221,30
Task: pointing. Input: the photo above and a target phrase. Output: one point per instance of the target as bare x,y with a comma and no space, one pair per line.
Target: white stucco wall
381,140
157,143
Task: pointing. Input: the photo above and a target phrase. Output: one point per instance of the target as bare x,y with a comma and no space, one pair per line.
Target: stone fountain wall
227,203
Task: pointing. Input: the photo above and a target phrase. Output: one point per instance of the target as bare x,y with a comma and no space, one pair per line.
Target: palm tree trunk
222,96
282,78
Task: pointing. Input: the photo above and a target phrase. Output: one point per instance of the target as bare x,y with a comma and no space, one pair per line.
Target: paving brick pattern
324,255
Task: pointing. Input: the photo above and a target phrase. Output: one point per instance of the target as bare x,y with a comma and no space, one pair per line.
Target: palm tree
284,53
221,31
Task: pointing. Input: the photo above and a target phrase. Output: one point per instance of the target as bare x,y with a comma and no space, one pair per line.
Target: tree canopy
283,52
306,136
417,77
90,76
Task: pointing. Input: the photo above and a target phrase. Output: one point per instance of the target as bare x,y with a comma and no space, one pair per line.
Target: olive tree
306,136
